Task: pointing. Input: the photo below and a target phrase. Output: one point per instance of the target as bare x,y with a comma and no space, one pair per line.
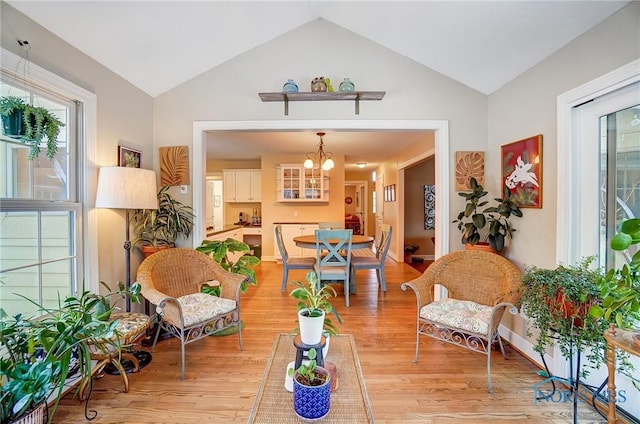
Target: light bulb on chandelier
320,159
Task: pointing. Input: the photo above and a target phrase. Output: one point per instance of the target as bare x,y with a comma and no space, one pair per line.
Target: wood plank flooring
446,385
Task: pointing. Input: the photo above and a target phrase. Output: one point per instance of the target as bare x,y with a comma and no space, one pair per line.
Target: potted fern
29,124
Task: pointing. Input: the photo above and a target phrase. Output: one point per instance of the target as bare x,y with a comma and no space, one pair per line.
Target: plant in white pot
313,309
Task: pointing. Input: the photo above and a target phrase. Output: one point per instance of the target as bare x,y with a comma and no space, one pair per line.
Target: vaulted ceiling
482,44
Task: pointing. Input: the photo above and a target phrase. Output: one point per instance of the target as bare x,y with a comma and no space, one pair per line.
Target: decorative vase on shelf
347,85
290,86
318,85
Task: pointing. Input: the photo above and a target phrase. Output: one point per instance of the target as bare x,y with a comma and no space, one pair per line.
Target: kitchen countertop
211,231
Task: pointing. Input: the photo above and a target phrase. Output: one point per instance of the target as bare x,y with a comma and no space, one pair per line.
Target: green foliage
307,374
39,350
315,297
162,226
558,301
38,122
493,221
218,251
620,288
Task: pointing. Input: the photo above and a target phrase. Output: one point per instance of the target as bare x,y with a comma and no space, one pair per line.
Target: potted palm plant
30,124
160,228
486,225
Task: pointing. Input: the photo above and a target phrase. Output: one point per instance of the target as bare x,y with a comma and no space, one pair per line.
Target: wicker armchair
172,278
481,287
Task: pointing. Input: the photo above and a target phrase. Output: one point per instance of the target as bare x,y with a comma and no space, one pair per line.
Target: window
619,178
42,218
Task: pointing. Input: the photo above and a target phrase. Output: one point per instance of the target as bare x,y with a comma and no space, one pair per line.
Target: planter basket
35,416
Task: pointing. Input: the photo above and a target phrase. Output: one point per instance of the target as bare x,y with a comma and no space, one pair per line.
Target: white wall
230,91
124,113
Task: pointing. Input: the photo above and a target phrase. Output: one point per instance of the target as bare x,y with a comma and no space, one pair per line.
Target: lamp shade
121,187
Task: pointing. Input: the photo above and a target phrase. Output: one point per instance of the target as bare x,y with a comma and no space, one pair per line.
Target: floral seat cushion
463,314
201,307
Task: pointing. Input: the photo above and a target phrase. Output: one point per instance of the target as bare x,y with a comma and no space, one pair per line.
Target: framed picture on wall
522,171
129,157
429,207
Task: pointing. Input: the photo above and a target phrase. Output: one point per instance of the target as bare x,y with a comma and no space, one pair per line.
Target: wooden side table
616,339
130,327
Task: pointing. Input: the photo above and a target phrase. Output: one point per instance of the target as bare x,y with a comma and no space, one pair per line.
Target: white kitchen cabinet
289,231
242,185
298,184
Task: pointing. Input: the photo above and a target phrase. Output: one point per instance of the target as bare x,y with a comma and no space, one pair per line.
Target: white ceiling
482,44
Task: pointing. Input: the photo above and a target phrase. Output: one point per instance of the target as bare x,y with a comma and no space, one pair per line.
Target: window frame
85,160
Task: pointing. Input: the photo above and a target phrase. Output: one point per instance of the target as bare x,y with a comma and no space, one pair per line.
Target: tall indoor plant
160,228
29,124
480,223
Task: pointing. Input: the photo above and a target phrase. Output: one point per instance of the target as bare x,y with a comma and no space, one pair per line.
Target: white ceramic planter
310,327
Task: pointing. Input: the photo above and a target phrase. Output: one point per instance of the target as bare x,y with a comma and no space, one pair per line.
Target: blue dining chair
374,262
287,262
333,257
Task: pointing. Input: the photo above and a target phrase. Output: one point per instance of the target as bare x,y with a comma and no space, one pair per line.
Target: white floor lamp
126,188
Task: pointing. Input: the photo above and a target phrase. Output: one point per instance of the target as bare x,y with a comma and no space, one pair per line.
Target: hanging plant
29,124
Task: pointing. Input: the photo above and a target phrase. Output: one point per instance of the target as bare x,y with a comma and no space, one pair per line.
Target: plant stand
301,348
573,382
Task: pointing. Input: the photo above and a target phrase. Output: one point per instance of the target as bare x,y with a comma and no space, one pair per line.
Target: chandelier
321,159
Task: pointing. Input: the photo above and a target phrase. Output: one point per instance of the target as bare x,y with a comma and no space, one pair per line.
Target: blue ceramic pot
312,402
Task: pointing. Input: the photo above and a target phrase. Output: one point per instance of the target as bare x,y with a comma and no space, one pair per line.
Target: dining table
357,241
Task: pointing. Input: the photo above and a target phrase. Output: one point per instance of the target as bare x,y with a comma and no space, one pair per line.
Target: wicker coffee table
349,403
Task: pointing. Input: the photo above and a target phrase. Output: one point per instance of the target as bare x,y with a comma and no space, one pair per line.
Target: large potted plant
481,224
160,228
219,251
558,301
620,288
41,352
314,307
30,124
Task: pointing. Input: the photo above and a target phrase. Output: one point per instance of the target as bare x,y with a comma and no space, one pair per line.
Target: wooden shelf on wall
312,96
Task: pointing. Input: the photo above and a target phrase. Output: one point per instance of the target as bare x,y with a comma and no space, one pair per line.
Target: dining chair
290,263
374,262
333,257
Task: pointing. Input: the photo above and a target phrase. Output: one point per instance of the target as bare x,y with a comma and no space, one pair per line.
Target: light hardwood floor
447,385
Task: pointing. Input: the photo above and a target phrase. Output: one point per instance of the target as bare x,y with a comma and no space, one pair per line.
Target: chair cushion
462,314
365,261
308,261
201,307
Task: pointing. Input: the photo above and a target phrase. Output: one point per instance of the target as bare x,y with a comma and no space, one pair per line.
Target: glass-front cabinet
298,184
